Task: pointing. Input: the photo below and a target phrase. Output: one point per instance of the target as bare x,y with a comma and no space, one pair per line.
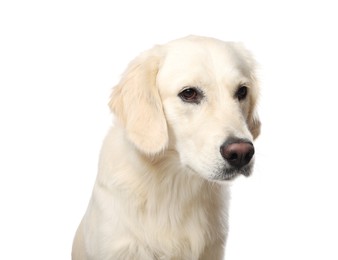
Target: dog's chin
231,173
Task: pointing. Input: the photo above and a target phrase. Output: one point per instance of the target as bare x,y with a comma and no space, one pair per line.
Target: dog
185,121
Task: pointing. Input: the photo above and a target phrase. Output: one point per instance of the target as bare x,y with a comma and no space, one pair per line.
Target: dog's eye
191,95
241,93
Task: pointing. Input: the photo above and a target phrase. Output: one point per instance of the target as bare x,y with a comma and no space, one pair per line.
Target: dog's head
196,96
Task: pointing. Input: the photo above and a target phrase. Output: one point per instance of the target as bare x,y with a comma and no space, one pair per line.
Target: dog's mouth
228,174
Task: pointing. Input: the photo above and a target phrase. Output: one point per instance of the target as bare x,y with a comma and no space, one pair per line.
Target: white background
58,63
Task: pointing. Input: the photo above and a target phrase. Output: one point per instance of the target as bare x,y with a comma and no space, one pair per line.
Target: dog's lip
245,173
229,174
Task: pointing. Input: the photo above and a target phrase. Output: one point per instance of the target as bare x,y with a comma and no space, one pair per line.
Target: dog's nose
237,153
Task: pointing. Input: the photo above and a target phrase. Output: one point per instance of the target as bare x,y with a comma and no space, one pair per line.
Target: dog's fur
162,185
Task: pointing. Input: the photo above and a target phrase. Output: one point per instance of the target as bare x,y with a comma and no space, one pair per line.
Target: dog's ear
253,120
254,124
137,104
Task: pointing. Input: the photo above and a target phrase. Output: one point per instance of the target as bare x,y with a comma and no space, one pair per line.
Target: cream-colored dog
185,125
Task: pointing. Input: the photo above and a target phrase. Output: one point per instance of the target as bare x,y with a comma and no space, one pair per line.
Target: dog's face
196,96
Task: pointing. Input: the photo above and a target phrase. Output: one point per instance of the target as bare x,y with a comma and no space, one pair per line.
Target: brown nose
237,152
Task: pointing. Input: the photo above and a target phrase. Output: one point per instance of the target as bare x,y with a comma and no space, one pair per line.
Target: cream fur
159,192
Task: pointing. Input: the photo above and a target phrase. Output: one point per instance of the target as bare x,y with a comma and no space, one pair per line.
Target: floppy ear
137,104
253,120
254,124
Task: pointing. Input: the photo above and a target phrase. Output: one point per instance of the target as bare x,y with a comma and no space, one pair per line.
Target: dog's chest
182,223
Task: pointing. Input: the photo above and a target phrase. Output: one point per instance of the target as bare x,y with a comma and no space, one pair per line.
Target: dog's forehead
200,58
196,53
